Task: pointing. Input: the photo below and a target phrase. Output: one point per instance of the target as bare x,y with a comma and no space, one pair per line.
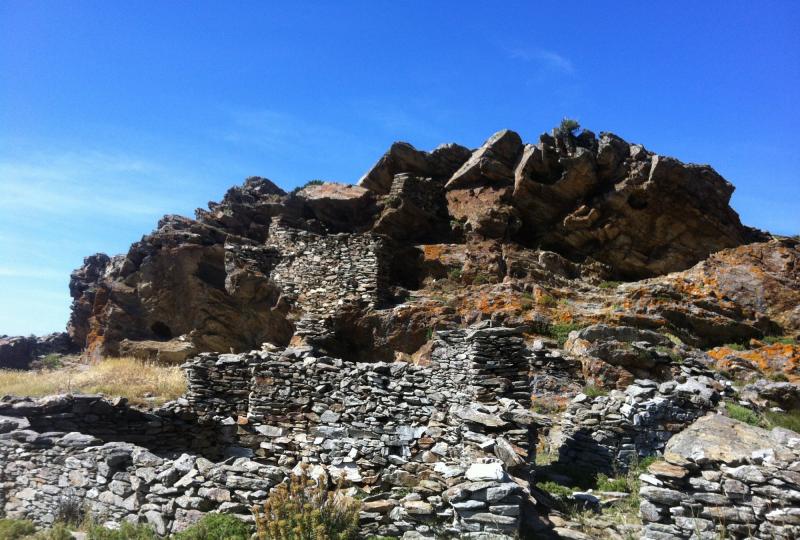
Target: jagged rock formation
613,209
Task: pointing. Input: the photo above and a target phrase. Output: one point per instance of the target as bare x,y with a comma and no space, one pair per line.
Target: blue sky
113,114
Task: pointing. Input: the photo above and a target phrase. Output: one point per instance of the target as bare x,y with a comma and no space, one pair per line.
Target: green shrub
454,274
52,361
547,300
303,508
594,391
11,529
307,184
126,531
771,340
743,414
481,279
604,483
778,377
556,490
568,126
561,331
216,527
609,284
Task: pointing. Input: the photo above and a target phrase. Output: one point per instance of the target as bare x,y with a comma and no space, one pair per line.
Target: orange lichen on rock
771,360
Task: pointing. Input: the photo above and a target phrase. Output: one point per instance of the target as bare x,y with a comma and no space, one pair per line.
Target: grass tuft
743,414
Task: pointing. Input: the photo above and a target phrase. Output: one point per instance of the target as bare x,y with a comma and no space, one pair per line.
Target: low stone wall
168,431
606,433
48,476
439,449
724,479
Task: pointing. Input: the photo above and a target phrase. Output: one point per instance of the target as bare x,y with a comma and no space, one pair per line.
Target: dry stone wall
49,476
607,433
322,272
439,449
724,479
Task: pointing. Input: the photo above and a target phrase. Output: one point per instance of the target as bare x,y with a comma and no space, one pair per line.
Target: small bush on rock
568,126
304,509
216,527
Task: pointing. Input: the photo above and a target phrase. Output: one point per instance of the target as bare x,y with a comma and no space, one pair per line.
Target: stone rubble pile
722,478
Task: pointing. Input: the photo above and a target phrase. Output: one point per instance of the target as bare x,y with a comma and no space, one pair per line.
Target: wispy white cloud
546,60
79,182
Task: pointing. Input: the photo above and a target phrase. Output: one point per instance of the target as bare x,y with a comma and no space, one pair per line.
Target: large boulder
341,207
479,193
404,158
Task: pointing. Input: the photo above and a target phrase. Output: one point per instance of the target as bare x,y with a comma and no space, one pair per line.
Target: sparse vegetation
298,189
547,301
555,489
788,420
568,126
216,527
481,279
743,414
609,284
303,508
454,274
51,361
126,531
127,377
560,332
594,391
12,529
783,340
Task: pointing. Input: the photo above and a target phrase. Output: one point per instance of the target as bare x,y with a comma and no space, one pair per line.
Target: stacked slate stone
499,364
47,477
608,433
427,194
218,384
553,375
724,479
167,431
320,273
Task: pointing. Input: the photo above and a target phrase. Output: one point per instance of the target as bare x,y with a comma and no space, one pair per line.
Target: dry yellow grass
127,377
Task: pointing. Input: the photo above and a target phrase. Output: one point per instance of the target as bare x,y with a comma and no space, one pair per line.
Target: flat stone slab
718,439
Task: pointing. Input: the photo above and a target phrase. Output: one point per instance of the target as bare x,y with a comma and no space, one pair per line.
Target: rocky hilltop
474,341
336,262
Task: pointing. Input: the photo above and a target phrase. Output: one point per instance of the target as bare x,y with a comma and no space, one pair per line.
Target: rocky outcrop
724,478
601,207
641,213
17,352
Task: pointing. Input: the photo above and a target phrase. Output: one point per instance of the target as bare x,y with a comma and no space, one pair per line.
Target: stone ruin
445,448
